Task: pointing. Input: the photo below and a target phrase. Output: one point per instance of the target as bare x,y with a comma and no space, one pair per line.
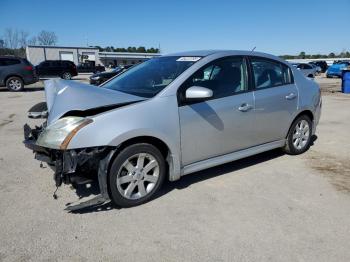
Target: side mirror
198,93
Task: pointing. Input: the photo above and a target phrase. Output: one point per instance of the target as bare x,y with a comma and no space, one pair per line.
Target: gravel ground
270,207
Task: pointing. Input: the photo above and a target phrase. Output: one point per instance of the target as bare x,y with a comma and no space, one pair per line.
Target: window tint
268,73
9,61
56,63
224,77
45,64
307,66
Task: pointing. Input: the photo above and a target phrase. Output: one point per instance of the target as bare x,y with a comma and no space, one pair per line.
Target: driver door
223,123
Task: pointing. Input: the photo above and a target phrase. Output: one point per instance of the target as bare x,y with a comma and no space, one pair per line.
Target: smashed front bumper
78,166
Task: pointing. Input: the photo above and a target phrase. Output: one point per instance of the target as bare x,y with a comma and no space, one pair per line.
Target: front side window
151,77
225,77
268,73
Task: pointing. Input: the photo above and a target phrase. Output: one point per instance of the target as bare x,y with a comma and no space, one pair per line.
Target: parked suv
16,72
171,116
57,68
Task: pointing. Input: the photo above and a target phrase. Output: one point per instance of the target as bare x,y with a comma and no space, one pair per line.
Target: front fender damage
76,166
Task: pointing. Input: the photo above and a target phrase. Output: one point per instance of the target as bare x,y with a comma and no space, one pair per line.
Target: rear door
44,68
276,99
56,68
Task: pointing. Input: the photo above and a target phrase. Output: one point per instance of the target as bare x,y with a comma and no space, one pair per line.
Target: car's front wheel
299,136
14,84
136,174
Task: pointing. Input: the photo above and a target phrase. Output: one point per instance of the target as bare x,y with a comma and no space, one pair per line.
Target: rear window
9,61
67,63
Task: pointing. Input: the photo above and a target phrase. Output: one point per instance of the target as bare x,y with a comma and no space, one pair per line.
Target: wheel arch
306,112
172,161
13,75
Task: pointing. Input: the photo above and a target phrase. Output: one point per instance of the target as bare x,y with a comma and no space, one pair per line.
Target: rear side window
56,63
9,61
67,64
268,73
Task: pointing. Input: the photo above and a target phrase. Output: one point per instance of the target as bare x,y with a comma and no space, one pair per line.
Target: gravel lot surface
270,207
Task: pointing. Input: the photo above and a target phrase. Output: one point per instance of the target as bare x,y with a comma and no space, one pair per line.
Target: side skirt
219,160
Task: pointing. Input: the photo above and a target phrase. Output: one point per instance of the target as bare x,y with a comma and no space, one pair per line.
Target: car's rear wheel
299,136
66,76
14,84
136,174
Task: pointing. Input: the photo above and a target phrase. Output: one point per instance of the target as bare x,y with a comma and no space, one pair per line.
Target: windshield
149,78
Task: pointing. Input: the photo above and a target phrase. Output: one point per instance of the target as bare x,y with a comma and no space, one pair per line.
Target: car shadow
97,204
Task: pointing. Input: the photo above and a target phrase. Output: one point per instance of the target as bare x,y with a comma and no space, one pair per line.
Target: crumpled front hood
63,96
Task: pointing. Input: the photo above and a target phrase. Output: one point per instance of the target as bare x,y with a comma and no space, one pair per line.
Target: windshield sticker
189,59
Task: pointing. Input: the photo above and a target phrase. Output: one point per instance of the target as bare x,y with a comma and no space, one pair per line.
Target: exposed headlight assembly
59,134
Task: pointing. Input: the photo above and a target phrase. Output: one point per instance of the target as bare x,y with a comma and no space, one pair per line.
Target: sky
273,26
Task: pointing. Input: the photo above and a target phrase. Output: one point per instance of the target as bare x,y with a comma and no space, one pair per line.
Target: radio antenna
253,49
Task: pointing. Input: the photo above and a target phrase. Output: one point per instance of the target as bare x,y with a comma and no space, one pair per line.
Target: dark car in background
322,64
99,78
16,72
90,68
57,68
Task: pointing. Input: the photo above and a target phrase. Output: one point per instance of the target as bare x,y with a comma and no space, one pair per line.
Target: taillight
29,68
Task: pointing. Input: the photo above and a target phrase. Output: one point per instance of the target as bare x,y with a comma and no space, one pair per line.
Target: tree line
303,55
14,41
130,49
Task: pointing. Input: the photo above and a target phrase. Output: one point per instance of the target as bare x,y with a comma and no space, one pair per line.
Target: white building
37,54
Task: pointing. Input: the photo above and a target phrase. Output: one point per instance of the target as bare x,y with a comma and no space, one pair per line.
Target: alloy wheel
137,176
67,76
301,134
15,84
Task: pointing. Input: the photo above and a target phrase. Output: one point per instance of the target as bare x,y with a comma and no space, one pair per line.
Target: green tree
302,55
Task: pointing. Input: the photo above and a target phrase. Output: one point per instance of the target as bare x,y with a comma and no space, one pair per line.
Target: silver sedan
172,116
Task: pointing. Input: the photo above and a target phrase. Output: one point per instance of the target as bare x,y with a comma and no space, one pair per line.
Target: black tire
290,148
67,76
14,84
117,198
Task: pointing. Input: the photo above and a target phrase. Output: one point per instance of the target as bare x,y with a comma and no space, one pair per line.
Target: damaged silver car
172,116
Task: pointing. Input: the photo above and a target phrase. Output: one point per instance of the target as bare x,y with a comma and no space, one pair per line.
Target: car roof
204,53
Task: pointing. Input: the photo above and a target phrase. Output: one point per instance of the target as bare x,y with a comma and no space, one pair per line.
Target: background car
57,68
322,64
16,72
318,68
90,68
307,69
336,69
99,78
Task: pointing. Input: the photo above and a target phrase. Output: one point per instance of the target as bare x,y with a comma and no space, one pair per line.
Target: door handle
291,96
245,107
